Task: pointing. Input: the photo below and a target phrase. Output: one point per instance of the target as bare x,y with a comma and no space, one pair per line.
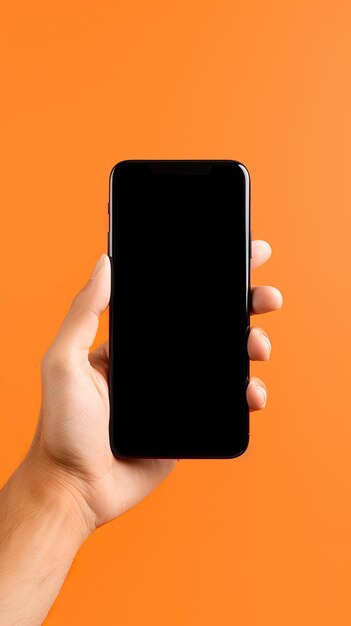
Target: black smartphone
179,245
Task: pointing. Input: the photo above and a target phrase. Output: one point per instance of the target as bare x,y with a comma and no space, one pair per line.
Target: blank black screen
179,309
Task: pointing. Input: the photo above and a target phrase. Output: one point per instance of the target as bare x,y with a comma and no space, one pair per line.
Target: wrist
43,524
47,489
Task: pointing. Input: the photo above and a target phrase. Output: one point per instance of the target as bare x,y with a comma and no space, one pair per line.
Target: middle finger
265,299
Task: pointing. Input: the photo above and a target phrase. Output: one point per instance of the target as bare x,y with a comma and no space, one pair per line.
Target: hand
71,443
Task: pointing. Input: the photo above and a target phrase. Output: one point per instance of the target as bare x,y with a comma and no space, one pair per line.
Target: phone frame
186,163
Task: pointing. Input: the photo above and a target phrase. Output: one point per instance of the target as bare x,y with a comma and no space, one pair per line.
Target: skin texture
69,483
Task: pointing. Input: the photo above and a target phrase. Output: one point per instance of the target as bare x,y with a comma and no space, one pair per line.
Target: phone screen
179,312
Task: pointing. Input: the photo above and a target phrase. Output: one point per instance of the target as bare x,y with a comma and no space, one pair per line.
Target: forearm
42,525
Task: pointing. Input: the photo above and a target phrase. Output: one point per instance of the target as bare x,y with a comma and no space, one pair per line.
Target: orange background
263,539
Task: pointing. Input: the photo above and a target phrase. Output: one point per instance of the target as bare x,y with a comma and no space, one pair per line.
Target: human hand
71,443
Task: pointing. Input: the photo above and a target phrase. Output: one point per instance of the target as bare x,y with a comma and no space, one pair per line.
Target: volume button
108,229
109,234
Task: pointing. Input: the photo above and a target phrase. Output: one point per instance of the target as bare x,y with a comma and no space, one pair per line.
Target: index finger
261,251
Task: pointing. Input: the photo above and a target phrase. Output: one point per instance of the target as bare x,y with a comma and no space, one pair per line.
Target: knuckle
55,361
77,302
45,360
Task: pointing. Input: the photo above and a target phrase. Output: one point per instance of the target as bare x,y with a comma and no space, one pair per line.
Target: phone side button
108,231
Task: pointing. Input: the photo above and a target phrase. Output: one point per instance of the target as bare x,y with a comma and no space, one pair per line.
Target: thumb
79,328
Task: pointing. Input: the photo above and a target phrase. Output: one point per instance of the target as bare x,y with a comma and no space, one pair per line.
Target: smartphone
179,244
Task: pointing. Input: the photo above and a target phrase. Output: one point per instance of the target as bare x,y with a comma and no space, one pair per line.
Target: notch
180,167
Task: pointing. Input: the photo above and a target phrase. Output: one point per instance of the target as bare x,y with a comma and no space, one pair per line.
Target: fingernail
263,395
267,342
98,266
